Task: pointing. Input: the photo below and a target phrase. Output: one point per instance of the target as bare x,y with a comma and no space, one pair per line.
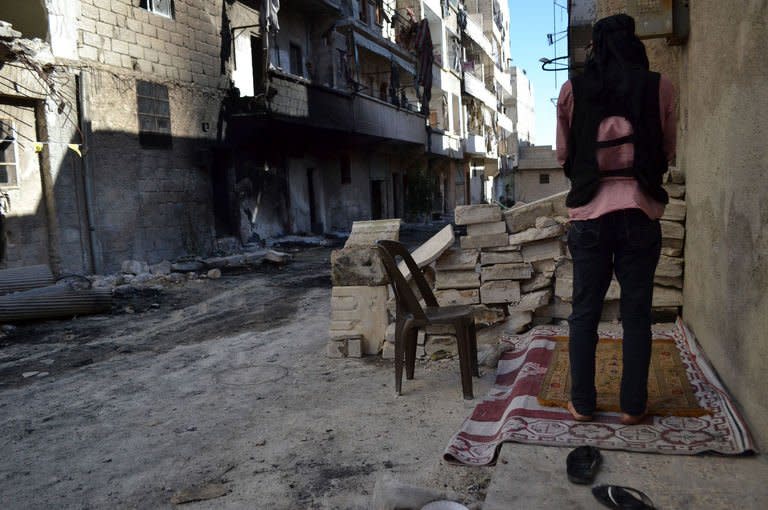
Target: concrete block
478,213
501,249
531,301
439,329
355,347
672,230
668,281
676,176
456,259
545,267
487,315
501,257
388,351
478,229
357,265
667,297
134,267
484,241
438,343
525,216
390,334
669,266
671,245
457,280
500,291
449,297
564,289
674,210
366,233
675,190
336,348
547,221
671,252
535,234
556,309
538,282
430,250
519,321
564,269
360,310
516,271
542,250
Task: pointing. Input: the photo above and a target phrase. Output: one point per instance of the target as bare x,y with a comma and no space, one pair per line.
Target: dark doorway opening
377,202
315,225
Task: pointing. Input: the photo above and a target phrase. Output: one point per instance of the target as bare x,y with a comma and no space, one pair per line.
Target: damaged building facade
151,129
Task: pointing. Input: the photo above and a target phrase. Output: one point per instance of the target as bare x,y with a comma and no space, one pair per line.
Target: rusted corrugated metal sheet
52,302
23,278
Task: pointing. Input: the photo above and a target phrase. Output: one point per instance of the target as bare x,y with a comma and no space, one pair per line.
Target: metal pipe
55,301
84,121
24,278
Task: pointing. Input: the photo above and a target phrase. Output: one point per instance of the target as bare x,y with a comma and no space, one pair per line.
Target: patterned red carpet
511,411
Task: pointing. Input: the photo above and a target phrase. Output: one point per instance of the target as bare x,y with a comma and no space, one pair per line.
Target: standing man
615,135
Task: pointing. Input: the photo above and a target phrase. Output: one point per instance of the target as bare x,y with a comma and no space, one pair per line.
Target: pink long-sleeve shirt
616,193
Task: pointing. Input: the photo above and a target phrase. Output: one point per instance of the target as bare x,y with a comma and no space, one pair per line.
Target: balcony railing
476,88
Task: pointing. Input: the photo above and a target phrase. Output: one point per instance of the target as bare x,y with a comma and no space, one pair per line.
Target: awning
377,48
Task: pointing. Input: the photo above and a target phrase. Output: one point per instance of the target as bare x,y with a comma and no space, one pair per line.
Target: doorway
377,200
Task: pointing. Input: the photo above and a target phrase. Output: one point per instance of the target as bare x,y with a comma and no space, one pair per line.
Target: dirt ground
220,386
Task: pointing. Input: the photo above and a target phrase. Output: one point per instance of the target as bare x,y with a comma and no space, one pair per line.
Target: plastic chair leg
399,354
410,337
464,360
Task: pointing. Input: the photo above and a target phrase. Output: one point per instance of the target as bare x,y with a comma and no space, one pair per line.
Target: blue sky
530,22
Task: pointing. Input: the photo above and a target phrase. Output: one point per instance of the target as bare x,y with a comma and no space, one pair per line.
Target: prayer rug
670,393
511,411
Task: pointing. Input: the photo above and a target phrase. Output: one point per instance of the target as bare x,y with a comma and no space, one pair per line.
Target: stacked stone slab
667,292
359,295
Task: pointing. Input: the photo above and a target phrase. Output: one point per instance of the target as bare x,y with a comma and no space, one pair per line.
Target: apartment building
135,86
148,129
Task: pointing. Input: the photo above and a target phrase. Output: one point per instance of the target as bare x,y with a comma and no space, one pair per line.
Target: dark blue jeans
629,243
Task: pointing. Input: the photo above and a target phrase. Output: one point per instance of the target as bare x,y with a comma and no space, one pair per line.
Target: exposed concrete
723,131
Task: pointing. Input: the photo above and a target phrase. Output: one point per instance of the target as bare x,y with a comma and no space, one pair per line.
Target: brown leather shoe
576,415
631,419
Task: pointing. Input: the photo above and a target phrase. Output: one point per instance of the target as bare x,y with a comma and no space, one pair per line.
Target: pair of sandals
582,466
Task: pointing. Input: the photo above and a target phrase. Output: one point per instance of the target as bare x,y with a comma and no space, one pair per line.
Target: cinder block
449,297
360,310
675,210
478,229
672,230
477,213
484,241
501,257
542,250
457,280
456,259
520,271
500,291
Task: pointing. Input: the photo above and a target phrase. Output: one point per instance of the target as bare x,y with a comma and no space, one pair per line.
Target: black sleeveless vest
641,109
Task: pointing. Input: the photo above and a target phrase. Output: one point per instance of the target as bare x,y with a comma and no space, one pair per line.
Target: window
297,66
543,178
154,115
161,7
346,170
7,153
363,6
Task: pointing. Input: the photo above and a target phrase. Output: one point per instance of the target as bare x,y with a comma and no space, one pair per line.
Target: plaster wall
528,187
723,103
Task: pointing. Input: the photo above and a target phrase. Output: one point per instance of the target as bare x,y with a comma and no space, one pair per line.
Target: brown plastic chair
411,317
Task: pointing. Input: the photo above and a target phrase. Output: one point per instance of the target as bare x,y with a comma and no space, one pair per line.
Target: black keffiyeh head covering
616,51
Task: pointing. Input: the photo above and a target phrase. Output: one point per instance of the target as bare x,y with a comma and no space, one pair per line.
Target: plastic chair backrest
404,295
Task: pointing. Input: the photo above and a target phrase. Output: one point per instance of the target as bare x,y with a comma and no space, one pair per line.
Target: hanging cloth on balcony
424,63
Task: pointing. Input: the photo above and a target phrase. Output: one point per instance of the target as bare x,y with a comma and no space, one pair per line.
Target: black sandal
616,496
583,463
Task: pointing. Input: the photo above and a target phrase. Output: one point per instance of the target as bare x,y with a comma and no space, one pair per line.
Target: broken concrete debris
521,275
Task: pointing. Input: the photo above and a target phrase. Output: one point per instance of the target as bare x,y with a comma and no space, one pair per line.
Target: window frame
149,5
294,47
158,137
544,179
12,168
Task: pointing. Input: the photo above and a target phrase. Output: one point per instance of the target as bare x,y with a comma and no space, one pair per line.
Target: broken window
154,113
161,7
543,178
296,60
363,6
7,153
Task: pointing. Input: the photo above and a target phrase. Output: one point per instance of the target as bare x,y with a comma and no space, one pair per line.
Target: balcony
476,88
445,144
445,80
506,123
475,145
475,32
505,80
295,101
